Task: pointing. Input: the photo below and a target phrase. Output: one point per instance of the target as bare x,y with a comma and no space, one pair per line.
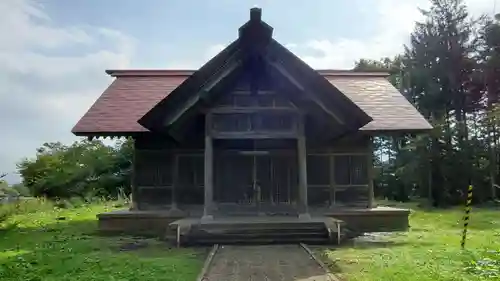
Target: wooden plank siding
338,174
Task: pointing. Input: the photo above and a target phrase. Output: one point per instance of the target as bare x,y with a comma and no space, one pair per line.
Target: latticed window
259,101
232,122
334,179
190,179
154,177
255,122
347,169
351,170
318,170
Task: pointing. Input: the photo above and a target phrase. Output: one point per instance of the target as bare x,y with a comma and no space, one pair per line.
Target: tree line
85,169
450,71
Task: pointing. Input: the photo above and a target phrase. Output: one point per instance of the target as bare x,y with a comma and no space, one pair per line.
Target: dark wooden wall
160,166
338,173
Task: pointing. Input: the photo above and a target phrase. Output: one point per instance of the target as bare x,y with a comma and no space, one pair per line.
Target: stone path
264,263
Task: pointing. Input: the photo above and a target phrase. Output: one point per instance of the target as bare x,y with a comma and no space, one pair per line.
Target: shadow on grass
75,250
81,233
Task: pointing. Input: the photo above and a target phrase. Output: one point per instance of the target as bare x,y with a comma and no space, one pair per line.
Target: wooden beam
354,153
302,88
204,91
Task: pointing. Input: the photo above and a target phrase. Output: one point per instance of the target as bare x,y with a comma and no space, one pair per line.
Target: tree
85,168
449,71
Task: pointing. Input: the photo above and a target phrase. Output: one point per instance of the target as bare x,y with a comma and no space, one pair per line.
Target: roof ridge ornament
255,14
255,34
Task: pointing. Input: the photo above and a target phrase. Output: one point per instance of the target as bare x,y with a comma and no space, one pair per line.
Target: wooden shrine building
253,132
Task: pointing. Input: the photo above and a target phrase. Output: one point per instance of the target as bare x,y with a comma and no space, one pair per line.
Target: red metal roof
124,102
134,92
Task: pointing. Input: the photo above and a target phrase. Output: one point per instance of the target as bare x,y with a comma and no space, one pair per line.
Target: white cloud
196,60
44,90
396,20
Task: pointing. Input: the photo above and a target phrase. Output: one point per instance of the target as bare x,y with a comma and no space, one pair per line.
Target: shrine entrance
256,182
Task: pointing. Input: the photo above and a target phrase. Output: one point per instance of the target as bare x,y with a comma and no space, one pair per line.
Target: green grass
429,251
62,244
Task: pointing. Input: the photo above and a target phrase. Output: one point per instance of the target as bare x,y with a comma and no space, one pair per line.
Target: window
190,179
254,122
351,170
318,170
153,177
153,168
243,98
232,122
273,121
319,196
191,170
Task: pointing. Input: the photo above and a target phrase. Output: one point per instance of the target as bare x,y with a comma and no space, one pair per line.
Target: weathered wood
285,73
371,192
302,164
339,153
332,181
175,185
267,122
254,135
208,178
253,109
133,182
174,209
224,71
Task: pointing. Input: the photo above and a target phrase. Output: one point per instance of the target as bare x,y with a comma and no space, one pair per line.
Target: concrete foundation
156,223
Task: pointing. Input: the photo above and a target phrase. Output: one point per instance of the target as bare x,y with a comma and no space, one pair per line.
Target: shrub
23,206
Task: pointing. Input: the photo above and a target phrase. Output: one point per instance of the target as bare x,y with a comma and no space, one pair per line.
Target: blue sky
53,53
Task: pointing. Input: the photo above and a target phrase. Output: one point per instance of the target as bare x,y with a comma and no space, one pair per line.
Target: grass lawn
429,251
43,247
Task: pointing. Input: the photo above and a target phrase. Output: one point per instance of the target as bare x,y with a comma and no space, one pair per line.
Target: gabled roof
165,100
256,53
134,92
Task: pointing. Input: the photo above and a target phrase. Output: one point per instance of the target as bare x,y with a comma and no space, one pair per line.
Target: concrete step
268,228
255,241
260,235
262,225
255,233
257,230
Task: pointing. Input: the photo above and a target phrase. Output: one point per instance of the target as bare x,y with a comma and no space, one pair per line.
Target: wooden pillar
133,183
302,159
302,163
209,167
370,171
331,160
174,210
175,179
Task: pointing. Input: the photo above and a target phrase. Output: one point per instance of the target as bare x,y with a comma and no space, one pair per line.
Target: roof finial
255,14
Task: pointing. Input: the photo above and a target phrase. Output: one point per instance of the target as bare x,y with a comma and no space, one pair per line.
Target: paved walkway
264,263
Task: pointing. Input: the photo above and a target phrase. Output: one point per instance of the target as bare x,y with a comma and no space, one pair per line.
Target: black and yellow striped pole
467,215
